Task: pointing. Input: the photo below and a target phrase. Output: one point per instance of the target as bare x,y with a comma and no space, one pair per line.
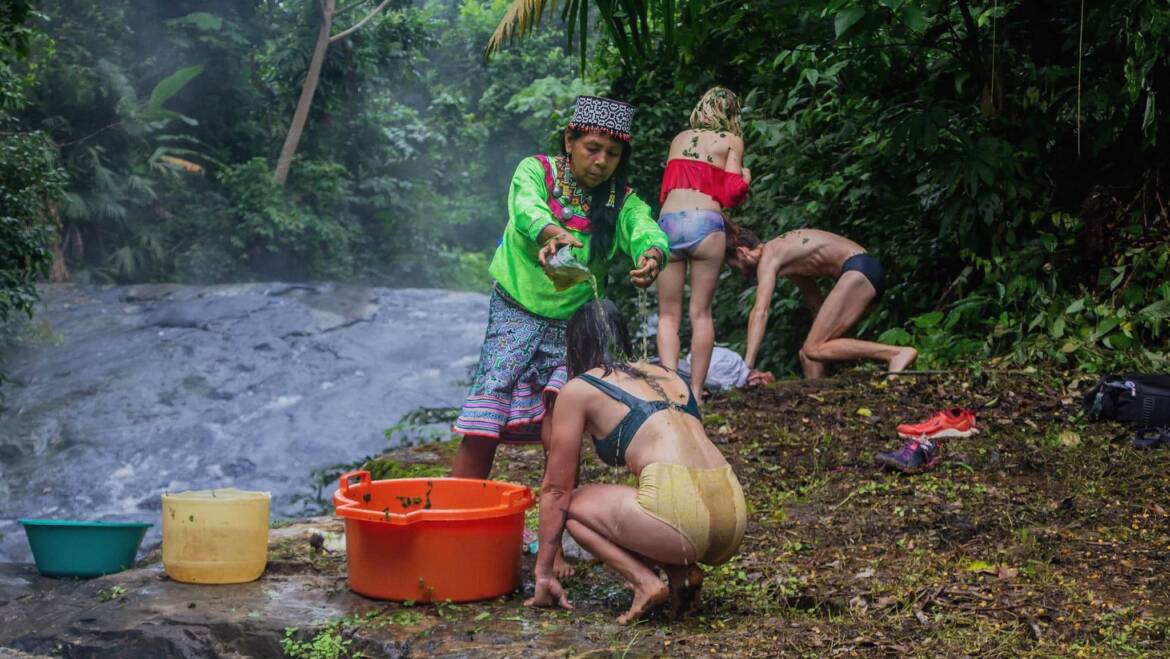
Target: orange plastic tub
432,539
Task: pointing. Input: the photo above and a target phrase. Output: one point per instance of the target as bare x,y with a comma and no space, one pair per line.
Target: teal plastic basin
64,548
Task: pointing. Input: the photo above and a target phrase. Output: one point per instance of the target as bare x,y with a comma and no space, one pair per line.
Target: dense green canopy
1006,159
1003,158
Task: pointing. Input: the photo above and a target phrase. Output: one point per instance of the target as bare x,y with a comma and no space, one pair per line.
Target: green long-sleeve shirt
516,267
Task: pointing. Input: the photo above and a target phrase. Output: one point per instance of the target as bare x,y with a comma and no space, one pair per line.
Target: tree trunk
306,100
58,271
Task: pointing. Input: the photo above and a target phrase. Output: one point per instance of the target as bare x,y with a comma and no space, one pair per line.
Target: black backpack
1142,401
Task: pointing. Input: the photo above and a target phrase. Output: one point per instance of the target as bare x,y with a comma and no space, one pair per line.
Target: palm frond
635,15
668,22
576,15
153,246
630,24
107,207
141,186
116,82
122,262
610,15
522,16
74,207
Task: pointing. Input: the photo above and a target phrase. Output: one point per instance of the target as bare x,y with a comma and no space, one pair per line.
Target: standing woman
579,199
704,174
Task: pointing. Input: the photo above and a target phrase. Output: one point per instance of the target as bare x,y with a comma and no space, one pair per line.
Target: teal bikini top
612,449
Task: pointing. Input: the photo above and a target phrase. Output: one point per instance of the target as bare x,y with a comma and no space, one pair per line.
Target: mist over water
401,179
167,388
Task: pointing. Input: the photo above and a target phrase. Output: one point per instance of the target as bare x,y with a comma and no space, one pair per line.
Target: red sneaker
947,423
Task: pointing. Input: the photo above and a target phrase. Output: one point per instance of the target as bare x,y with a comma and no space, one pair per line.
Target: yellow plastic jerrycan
215,536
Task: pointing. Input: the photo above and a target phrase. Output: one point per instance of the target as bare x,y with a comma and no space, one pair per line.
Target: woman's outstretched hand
553,244
756,378
647,270
549,593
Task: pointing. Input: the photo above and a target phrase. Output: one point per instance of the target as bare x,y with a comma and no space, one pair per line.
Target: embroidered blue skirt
521,369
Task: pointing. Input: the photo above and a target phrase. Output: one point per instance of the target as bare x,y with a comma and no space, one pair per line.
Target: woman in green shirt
578,199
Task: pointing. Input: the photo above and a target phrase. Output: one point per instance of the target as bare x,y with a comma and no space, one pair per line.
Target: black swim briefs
868,265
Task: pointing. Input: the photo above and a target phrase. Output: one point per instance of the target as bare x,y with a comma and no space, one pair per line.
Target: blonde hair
717,110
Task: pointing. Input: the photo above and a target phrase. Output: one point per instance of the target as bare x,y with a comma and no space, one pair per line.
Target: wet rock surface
142,613
128,392
302,596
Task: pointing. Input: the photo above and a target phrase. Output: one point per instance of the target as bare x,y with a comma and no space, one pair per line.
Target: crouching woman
688,507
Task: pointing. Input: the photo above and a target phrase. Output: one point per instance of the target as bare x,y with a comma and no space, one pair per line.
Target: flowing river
123,393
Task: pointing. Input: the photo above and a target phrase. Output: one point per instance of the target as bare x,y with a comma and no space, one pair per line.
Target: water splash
643,320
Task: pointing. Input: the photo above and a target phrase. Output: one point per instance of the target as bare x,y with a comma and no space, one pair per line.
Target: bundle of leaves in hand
565,270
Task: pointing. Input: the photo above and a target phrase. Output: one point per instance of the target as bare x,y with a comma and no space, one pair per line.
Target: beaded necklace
566,190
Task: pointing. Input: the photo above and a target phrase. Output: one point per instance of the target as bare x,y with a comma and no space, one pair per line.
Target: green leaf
928,320
847,18
171,85
1105,326
1057,330
1076,307
1119,341
199,20
915,18
895,336
1159,310
980,566
1118,279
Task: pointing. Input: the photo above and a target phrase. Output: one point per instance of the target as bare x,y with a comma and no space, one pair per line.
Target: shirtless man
802,256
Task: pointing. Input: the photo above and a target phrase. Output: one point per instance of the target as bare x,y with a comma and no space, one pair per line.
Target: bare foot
561,568
904,358
646,597
685,583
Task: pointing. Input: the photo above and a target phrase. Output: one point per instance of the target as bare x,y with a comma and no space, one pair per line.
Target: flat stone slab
143,613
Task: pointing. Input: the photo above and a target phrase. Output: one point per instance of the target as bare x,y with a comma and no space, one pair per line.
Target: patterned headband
595,113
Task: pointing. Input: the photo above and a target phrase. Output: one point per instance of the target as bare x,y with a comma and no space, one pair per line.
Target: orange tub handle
363,478
520,496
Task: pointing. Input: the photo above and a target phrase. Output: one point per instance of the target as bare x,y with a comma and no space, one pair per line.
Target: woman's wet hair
717,110
737,236
596,336
602,219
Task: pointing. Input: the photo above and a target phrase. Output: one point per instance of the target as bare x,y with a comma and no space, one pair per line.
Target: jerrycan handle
362,476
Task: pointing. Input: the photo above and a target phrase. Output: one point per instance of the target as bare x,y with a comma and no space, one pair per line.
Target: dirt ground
1041,536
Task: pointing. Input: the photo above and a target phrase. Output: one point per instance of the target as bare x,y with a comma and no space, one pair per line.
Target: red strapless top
724,187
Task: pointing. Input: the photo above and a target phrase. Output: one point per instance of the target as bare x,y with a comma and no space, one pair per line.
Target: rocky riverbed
119,394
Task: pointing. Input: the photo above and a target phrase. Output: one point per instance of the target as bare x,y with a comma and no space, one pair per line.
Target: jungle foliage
1006,160
168,119
30,178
